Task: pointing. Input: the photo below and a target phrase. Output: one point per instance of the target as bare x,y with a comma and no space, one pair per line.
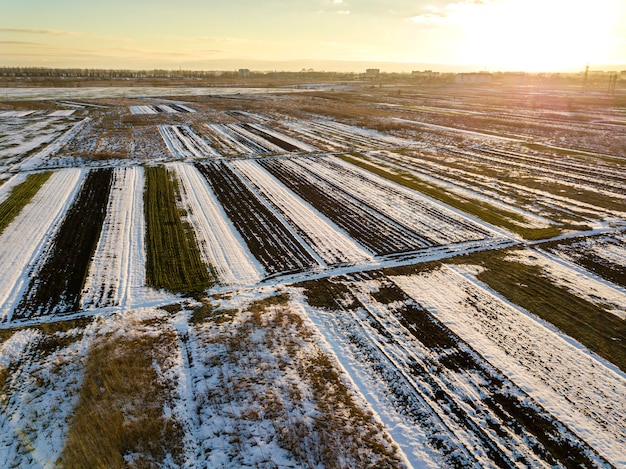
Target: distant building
426,74
244,72
622,75
372,73
474,78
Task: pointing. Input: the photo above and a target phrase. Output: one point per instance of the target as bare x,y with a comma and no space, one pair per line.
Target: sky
342,35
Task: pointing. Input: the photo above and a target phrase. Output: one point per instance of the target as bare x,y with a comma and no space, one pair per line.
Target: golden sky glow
529,35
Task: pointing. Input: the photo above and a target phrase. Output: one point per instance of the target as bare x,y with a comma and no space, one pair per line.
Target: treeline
40,72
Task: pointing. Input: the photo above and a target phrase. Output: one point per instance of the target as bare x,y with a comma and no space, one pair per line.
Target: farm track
269,241
57,285
486,415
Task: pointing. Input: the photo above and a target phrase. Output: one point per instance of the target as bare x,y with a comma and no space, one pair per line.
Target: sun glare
538,35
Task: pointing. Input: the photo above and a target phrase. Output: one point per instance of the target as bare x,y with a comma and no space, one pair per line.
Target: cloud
449,13
343,12
21,43
50,32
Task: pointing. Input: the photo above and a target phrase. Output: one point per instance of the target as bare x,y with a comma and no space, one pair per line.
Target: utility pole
612,83
585,78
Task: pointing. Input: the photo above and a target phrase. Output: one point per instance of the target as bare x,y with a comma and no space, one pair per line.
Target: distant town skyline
331,35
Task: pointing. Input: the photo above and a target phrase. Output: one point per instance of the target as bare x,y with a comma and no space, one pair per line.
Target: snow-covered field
116,273
218,240
22,244
340,333
184,142
566,379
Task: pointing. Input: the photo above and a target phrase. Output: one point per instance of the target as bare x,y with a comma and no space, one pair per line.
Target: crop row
57,286
275,247
20,196
333,246
255,139
173,260
483,418
118,263
160,108
537,357
408,208
183,142
333,136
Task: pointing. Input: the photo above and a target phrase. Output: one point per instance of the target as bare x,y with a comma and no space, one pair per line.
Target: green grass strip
173,258
20,196
484,211
528,287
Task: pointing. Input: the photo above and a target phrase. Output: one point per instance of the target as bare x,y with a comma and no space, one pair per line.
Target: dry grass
119,420
266,370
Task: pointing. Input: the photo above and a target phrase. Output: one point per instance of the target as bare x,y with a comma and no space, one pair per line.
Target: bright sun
538,35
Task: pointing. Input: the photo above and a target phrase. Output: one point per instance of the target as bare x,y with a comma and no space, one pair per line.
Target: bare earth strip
435,221
24,240
219,242
111,269
568,381
328,241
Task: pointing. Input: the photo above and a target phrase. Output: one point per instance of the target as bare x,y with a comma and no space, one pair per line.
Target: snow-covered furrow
229,139
362,137
370,228
108,283
8,185
579,168
292,141
586,177
577,280
434,215
459,386
455,181
301,127
15,113
347,139
404,206
20,137
561,375
25,238
267,146
183,142
144,109
38,158
328,241
220,244
62,113
269,239
534,200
